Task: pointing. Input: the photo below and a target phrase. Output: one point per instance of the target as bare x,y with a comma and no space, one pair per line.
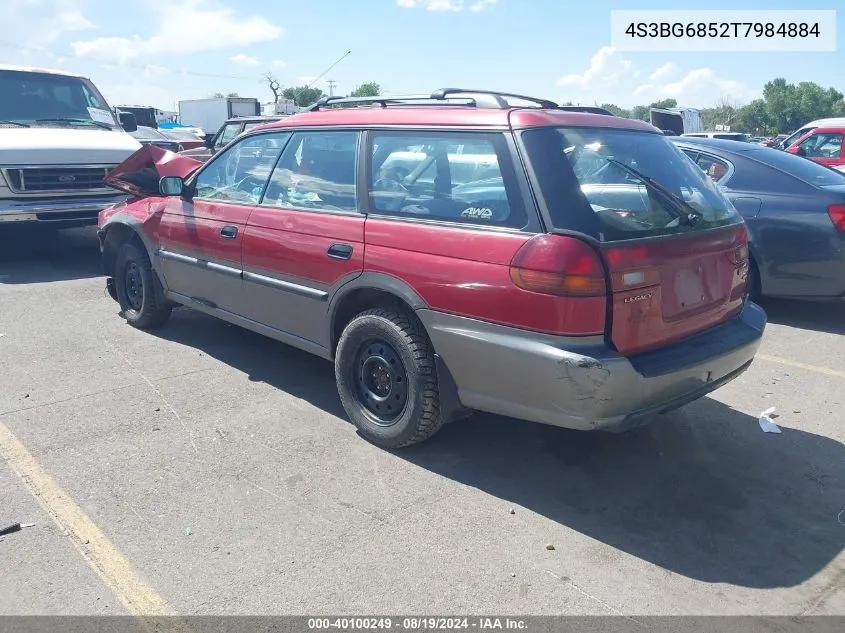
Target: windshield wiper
105,126
18,123
684,210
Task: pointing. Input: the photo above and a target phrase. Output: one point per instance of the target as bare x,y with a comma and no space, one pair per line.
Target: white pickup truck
58,140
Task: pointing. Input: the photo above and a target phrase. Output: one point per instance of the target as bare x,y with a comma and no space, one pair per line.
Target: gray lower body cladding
581,383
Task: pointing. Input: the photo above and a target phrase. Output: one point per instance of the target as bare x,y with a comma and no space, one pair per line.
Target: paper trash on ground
766,422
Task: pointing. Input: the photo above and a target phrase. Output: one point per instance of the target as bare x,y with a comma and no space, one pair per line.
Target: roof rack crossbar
380,100
499,98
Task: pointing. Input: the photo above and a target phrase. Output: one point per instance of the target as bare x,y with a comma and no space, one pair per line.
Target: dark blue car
795,212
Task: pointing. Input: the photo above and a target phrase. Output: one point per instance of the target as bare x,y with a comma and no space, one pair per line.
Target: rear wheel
138,290
386,378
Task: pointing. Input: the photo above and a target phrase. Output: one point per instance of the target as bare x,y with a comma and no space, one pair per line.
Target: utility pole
331,83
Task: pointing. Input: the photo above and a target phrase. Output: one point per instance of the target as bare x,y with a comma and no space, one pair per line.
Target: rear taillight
630,268
837,216
738,255
558,265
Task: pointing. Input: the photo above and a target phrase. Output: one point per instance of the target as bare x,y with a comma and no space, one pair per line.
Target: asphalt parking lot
203,469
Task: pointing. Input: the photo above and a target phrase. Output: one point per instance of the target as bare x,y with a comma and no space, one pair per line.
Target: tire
387,378
138,289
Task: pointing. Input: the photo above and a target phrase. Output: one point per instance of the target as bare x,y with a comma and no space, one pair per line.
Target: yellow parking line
100,553
793,363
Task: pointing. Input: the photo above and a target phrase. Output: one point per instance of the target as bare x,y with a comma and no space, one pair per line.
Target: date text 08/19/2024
415,623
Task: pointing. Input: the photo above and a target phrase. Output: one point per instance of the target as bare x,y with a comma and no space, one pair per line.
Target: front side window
317,171
240,173
229,132
448,176
822,145
636,184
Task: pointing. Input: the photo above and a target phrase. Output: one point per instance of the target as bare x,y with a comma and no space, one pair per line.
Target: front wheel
138,290
387,379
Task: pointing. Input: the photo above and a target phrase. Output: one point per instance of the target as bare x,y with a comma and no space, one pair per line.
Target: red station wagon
451,253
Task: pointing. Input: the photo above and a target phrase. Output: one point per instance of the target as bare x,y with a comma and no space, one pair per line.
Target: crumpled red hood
139,174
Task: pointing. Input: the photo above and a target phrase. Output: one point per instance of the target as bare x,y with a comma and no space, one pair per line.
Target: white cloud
186,26
701,87
278,63
606,68
613,78
666,71
245,60
447,5
39,22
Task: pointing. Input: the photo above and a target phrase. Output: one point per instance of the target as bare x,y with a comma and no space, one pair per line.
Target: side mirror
171,186
800,151
209,140
128,121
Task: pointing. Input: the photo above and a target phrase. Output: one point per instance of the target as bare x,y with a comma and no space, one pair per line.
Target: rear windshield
802,168
623,184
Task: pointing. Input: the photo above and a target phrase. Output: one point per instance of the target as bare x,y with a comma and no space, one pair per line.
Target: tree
233,95
274,85
303,95
369,89
663,103
217,95
640,112
615,109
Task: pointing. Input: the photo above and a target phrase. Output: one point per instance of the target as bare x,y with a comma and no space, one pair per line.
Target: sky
155,52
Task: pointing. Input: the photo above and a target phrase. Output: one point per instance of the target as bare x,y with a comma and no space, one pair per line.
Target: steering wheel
390,185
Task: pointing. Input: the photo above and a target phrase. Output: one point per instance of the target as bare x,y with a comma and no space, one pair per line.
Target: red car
822,145
452,253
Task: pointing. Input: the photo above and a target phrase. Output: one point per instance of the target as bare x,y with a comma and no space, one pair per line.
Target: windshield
44,99
630,184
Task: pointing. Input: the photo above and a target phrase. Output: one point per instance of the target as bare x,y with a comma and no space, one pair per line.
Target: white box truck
210,114
677,120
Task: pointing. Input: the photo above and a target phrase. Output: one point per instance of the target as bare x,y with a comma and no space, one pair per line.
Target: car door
306,237
201,236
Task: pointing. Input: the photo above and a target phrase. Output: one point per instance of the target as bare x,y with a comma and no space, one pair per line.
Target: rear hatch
675,249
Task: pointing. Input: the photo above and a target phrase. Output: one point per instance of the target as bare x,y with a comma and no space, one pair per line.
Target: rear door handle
229,232
340,251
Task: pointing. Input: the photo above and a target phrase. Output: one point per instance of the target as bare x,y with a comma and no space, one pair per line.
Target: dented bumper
581,383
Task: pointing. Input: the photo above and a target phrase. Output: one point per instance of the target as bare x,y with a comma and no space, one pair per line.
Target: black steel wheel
138,289
381,381
386,378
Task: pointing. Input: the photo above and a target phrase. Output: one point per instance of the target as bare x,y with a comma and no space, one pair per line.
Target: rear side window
623,184
714,167
449,176
229,132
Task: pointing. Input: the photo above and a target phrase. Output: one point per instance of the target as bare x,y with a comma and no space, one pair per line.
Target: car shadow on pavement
35,255
262,359
806,315
703,492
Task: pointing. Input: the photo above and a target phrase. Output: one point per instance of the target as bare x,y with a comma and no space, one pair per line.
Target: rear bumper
582,383
82,210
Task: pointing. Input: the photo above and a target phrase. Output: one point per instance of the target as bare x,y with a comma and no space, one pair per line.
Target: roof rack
587,109
444,96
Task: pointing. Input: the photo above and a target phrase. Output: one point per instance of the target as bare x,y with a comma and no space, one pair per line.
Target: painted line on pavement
794,363
98,551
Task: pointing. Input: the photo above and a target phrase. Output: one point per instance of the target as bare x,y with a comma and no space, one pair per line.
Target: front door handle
229,232
340,251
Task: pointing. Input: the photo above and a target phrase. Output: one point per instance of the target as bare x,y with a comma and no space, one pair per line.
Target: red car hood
139,174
